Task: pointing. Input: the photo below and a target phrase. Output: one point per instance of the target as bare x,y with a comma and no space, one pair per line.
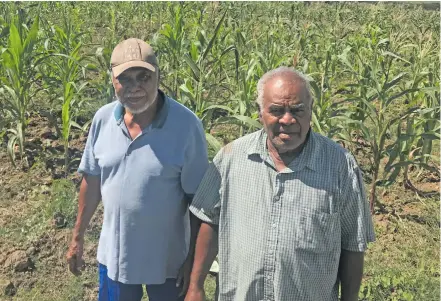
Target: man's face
136,89
286,112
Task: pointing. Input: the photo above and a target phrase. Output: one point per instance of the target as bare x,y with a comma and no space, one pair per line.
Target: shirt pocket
318,232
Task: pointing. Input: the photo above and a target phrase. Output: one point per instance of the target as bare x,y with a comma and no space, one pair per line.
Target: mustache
129,95
287,130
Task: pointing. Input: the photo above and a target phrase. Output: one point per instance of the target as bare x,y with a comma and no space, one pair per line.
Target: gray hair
279,72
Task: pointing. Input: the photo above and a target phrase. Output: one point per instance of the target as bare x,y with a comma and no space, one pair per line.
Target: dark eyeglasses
141,78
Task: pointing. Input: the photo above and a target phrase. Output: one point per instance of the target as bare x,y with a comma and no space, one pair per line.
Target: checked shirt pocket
318,232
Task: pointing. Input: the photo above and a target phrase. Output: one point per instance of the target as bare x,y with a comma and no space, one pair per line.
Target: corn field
375,76
374,71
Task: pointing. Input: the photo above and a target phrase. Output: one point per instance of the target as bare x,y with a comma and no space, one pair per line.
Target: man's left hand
183,279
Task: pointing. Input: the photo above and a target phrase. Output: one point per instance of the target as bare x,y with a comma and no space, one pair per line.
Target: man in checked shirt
284,207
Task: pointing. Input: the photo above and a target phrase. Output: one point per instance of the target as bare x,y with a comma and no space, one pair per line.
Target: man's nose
287,119
134,86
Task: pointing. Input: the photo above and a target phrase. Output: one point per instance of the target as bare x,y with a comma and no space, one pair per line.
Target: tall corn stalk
172,48
375,100
198,91
422,130
19,61
103,83
65,76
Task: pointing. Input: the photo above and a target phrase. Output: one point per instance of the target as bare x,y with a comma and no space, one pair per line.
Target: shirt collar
160,118
308,157
258,146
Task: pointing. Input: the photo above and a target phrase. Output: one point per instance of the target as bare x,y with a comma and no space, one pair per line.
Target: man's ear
113,80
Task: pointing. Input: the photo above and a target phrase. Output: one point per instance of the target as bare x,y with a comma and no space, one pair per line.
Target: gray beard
139,110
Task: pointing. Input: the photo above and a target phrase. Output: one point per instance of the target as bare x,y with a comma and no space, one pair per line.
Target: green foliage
373,61
62,203
394,285
19,62
363,62
64,77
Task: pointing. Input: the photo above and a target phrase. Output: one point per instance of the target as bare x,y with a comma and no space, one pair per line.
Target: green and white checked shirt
281,234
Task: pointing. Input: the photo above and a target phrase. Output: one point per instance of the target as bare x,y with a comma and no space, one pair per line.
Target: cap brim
117,70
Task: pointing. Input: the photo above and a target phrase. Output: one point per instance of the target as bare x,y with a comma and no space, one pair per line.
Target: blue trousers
116,291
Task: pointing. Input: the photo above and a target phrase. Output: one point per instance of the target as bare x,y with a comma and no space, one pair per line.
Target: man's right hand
74,256
195,294
88,199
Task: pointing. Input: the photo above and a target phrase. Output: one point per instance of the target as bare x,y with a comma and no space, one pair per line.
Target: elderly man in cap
285,207
144,158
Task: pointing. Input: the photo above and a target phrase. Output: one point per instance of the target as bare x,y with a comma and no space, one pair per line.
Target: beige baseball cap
133,53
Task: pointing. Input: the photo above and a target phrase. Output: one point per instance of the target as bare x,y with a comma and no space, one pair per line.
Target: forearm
205,252
195,224
350,274
88,200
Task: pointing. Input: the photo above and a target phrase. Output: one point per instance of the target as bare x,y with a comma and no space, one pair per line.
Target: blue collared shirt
144,183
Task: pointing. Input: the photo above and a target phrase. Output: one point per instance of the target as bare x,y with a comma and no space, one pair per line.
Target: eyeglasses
141,78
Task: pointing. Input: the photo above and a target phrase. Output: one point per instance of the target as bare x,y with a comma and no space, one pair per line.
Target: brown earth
23,263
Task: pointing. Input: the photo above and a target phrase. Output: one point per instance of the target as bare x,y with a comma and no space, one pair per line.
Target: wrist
353,297
196,286
78,237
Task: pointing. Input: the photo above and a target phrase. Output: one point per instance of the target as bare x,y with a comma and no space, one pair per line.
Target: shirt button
274,225
276,198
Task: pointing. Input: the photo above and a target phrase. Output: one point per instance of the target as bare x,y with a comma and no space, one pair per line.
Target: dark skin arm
350,273
88,200
184,273
205,253
195,225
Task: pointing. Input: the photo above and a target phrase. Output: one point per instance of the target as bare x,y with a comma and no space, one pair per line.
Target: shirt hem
199,214
89,172
360,247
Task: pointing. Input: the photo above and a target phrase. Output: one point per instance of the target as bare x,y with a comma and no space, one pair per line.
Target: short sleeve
89,163
357,228
206,203
196,161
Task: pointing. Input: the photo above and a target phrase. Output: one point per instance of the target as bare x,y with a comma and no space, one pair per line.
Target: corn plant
327,101
195,92
414,147
273,56
242,74
194,89
172,48
19,62
102,84
66,72
377,93
243,100
406,150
